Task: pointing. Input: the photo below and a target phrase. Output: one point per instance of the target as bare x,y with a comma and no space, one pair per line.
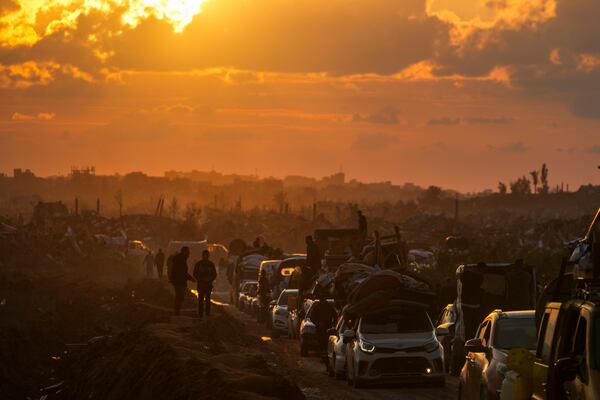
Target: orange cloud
491,15
31,73
588,62
43,116
27,74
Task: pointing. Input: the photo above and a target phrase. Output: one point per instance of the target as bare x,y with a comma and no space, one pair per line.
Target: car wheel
303,349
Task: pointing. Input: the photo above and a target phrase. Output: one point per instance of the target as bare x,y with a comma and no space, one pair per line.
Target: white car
247,291
280,312
336,350
394,345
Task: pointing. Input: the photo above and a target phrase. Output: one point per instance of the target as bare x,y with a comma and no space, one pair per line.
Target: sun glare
29,22
178,13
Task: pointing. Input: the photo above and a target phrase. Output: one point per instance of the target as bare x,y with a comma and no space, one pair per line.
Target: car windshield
283,298
512,333
413,321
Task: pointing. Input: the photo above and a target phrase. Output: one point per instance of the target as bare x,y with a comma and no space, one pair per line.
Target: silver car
280,312
487,353
336,350
395,345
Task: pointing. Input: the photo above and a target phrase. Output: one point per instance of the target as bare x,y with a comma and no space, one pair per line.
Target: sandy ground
309,372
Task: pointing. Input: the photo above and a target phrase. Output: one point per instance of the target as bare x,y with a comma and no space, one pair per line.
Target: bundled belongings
386,288
321,288
387,252
482,288
347,278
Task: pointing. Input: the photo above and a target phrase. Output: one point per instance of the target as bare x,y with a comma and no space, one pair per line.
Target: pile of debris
181,359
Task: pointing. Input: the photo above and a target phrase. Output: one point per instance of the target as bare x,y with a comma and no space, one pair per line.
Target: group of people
155,261
204,275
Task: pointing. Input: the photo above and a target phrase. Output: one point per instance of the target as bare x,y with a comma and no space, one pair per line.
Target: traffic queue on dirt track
374,320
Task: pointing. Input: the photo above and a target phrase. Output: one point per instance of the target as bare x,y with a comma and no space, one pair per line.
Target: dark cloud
385,116
593,149
443,121
586,106
515,147
374,141
525,51
489,121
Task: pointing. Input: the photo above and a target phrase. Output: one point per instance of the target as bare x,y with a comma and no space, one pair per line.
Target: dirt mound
40,317
182,359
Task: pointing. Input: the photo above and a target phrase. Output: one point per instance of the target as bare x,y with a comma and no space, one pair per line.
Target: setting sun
178,13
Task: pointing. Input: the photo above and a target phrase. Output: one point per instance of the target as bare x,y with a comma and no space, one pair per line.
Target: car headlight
366,346
431,346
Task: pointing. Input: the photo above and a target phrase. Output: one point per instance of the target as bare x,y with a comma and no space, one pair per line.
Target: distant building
335,179
18,173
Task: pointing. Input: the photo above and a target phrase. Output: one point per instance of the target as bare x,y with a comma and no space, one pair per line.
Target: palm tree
534,179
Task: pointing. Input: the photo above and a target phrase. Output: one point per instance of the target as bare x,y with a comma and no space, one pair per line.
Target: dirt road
309,373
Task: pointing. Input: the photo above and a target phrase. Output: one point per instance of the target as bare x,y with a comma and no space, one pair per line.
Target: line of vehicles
503,336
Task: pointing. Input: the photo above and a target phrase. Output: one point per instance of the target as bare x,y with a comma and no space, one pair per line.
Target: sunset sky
457,93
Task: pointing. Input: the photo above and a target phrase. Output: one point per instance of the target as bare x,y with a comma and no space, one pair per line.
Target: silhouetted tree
501,187
534,179
431,195
544,179
279,199
191,215
520,186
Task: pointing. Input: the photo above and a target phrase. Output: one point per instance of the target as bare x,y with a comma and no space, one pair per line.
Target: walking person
149,263
323,315
180,276
205,274
159,262
313,259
